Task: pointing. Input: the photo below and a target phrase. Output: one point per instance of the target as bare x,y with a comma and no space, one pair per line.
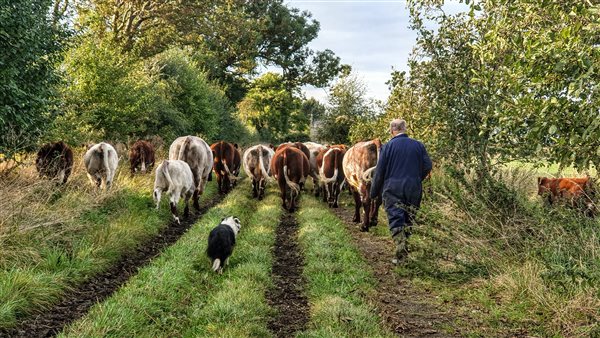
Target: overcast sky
370,35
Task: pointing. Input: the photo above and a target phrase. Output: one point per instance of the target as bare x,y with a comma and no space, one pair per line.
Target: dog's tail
216,264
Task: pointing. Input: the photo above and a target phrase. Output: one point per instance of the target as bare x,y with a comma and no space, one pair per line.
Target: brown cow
290,167
331,174
306,152
226,164
575,192
141,154
55,160
359,165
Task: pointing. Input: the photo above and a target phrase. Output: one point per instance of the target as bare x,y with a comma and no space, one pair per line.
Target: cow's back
358,159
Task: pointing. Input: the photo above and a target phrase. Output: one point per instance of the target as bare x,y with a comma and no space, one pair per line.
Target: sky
372,36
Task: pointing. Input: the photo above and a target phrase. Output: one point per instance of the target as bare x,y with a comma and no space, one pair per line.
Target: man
403,164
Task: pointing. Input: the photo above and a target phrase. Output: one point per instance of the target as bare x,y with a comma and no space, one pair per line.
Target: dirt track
405,310
76,302
288,296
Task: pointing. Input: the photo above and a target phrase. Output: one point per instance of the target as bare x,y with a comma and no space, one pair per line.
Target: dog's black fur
221,241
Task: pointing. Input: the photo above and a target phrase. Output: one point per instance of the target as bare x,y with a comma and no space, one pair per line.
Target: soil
404,309
77,301
287,296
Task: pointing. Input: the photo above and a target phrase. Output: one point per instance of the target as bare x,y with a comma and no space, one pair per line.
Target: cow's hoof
364,229
356,220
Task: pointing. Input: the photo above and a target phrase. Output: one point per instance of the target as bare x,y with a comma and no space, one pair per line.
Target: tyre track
288,295
76,302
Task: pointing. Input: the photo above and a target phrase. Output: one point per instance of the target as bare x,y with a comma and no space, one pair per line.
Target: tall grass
178,295
53,237
496,247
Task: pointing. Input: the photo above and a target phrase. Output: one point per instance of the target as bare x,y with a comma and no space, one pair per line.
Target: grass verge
338,279
179,295
54,237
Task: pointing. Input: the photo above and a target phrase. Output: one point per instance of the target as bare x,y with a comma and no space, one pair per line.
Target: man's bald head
397,126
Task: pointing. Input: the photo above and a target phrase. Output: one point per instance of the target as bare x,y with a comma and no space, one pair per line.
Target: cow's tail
261,165
104,149
367,176
165,170
216,264
227,171
293,185
143,158
183,148
333,178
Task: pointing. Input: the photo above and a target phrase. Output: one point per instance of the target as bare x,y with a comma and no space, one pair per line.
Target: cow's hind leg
357,205
195,200
375,204
186,199
367,219
173,204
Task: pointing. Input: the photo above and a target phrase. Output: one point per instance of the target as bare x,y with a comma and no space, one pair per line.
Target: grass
338,279
179,295
509,262
53,237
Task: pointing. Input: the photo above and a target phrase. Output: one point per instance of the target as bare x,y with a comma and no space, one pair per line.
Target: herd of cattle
331,167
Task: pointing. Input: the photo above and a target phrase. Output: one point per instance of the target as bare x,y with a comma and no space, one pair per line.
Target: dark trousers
400,216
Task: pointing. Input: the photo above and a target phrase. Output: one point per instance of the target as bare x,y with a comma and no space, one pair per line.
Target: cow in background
141,154
55,160
331,174
175,177
101,161
359,165
256,161
577,193
198,155
314,149
290,167
226,164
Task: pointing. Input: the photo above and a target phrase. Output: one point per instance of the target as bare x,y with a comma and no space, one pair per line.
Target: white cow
314,149
198,155
256,162
101,161
175,177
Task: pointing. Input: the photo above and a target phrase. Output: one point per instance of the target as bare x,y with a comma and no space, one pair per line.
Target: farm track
288,295
77,301
405,310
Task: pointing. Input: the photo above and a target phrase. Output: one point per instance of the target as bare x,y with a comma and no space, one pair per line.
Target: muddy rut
287,296
404,309
76,302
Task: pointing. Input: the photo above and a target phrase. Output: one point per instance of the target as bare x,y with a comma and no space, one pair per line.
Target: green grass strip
338,278
179,295
88,244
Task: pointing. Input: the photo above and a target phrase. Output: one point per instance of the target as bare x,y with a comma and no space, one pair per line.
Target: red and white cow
575,192
331,174
256,162
359,167
198,155
226,164
141,154
314,149
290,167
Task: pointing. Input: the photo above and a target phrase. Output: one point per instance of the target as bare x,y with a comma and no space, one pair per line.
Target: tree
30,45
348,105
273,110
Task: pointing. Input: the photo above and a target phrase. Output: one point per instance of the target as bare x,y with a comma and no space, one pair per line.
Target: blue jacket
403,164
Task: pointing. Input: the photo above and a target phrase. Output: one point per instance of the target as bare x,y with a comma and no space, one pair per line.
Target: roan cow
289,167
575,192
226,164
141,154
331,174
101,161
55,160
314,149
175,177
256,162
197,154
359,165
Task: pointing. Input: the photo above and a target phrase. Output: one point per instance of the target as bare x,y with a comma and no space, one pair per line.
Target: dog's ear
222,219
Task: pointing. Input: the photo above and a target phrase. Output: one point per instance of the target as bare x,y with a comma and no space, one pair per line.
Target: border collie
221,241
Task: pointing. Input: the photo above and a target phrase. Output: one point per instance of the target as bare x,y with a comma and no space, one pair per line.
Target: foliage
30,42
347,106
506,82
273,110
116,96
